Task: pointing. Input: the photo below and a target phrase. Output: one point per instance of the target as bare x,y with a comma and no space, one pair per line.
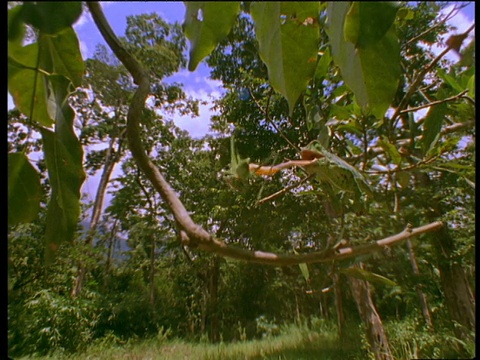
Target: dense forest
329,214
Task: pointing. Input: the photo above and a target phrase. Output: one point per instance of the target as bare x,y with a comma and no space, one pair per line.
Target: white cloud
199,126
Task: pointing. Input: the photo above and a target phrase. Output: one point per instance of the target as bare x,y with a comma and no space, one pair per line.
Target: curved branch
191,233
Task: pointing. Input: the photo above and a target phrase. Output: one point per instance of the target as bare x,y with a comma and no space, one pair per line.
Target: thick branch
191,233
329,255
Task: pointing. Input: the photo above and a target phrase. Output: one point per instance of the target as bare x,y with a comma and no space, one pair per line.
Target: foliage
314,80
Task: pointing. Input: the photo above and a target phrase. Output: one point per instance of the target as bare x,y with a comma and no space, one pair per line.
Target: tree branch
191,233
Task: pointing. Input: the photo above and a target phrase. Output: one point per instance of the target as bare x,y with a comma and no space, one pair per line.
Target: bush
48,322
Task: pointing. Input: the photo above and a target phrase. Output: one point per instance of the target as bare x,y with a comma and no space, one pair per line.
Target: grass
294,344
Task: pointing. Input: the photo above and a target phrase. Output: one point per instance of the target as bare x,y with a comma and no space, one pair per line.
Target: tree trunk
421,295
111,158
339,306
214,333
376,335
152,271
111,246
458,294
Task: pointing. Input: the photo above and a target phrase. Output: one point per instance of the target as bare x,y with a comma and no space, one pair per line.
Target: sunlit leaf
432,127
391,150
370,32
371,71
288,35
64,55
24,190
206,24
367,276
59,54
403,179
64,157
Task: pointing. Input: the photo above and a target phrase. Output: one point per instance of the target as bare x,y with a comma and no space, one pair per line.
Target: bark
337,290
458,294
421,295
377,338
152,270
111,158
213,330
111,246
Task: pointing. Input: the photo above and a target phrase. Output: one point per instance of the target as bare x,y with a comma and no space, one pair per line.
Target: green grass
293,344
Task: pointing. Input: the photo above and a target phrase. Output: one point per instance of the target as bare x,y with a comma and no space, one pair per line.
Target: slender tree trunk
339,306
376,335
111,159
421,295
111,246
214,333
458,294
152,270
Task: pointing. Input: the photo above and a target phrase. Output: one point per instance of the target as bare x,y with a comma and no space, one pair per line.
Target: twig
408,168
267,117
284,190
422,74
454,9
433,103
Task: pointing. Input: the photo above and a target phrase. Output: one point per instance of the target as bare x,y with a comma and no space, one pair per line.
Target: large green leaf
24,190
206,24
51,17
367,275
369,61
59,54
27,86
64,156
432,127
288,36
63,55
363,30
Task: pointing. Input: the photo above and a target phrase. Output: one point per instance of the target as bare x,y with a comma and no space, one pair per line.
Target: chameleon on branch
342,183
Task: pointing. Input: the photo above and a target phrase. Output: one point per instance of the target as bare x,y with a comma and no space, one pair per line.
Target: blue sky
196,84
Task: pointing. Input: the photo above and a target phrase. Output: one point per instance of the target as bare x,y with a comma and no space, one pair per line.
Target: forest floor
294,344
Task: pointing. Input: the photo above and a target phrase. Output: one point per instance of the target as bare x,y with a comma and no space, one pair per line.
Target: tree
355,137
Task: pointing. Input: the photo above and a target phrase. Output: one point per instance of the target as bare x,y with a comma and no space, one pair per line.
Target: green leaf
304,269
432,127
471,86
367,276
64,157
450,80
351,26
59,54
206,24
391,150
403,179
16,27
24,190
342,175
323,64
371,71
63,55
288,36
27,86
50,17
384,13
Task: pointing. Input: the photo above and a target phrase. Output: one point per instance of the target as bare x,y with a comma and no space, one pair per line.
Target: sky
197,83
